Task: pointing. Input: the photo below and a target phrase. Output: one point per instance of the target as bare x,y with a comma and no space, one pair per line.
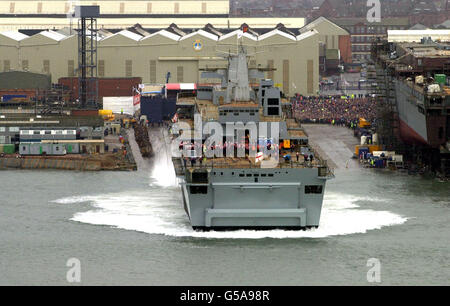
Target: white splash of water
163,172
160,211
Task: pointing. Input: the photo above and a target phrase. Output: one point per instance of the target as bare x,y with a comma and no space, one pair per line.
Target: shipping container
107,87
72,148
374,148
27,93
158,108
7,98
7,148
358,148
84,112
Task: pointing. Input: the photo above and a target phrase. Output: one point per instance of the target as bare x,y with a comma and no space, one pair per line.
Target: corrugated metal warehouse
151,54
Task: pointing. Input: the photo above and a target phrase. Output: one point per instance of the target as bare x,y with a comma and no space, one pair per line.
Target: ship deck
421,89
249,163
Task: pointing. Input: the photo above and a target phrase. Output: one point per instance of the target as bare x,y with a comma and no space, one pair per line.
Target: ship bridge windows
313,189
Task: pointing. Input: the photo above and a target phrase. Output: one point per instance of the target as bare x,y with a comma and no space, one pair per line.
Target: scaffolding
382,80
87,55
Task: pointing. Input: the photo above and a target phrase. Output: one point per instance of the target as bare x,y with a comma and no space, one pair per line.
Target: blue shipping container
6,98
158,108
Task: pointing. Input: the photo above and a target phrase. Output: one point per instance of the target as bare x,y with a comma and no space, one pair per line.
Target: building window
180,74
101,68
270,73
39,8
14,129
12,7
176,9
149,8
122,7
152,71
310,76
2,129
204,9
128,68
71,68
6,65
286,75
46,65
25,65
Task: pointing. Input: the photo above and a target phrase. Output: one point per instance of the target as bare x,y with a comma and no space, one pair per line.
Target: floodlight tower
87,55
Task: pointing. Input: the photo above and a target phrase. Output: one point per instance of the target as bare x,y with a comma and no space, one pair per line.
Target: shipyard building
295,54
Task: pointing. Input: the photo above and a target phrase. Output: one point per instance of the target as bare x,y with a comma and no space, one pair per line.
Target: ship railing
211,164
323,163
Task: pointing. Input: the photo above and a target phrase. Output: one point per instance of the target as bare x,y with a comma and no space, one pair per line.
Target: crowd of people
337,110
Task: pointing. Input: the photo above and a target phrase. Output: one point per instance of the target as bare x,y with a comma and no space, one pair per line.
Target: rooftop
138,33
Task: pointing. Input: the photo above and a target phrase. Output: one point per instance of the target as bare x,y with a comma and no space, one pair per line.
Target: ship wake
159,211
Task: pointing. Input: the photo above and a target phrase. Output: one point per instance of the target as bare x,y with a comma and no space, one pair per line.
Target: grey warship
225,192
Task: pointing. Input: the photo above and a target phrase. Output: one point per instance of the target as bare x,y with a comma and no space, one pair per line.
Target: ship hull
235,199
413,123
409,134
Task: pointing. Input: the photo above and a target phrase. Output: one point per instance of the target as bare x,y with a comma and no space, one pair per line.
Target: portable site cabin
42,149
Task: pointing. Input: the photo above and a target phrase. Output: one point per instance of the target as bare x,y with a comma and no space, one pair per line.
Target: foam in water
160,212
163,172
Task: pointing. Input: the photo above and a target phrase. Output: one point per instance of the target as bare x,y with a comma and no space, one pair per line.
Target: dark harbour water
130,229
